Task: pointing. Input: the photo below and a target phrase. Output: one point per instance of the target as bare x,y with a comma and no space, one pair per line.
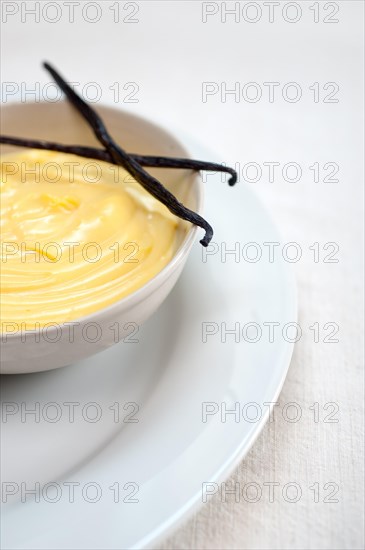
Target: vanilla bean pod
121,157
150,161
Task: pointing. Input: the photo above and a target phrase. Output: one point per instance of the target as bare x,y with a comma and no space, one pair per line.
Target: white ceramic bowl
60,345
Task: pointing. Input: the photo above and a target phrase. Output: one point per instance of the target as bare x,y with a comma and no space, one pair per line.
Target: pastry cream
77,235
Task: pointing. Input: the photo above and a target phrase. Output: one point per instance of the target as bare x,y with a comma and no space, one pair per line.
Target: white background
169,52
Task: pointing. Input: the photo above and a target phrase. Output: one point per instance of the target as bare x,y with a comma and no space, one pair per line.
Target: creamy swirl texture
77,235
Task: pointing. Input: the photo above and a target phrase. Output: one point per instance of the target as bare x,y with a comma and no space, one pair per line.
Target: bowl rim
183,250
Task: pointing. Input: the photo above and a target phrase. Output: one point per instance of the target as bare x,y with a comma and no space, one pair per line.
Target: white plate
170,452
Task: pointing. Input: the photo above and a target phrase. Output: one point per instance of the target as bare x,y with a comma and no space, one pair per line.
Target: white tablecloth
313,116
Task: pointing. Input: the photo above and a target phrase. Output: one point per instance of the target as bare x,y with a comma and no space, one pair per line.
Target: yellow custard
77,235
